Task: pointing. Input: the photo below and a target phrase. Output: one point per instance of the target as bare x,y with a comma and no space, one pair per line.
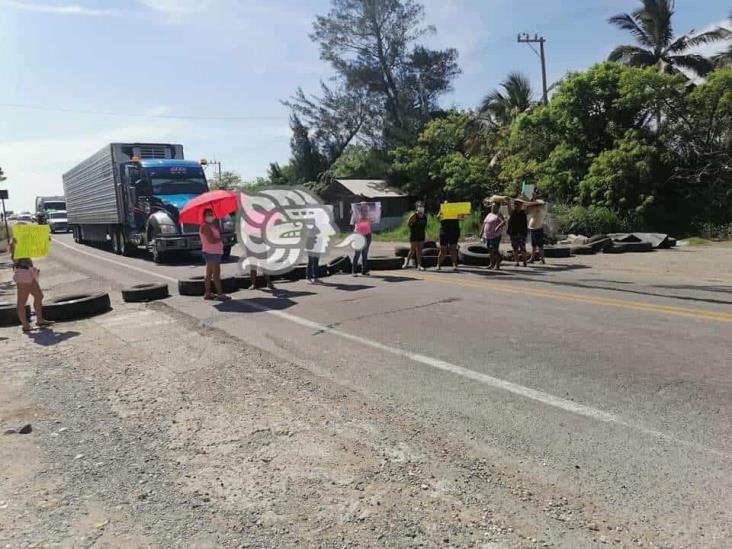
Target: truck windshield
54,205
177,180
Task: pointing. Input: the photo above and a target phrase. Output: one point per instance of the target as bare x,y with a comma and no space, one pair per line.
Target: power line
136,115
524,38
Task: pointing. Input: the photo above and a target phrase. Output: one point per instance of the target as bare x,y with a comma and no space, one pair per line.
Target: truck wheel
124,248
9,314
71,307
227,252
144,292
157,255
115,242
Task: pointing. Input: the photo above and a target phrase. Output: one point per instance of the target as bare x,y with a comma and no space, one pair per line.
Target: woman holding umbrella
213,249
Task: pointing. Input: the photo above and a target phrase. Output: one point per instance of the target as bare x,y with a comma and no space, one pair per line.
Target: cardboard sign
528,190
31,240
370,210
454,210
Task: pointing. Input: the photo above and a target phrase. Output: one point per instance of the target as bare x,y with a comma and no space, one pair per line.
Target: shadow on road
716,289
256,304
46,338
345,287
392,278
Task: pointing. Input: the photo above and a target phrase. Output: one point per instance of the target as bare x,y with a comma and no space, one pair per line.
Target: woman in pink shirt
362,226
213,248
491,234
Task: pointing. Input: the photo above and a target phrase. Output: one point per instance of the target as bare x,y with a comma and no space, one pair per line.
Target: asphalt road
614,388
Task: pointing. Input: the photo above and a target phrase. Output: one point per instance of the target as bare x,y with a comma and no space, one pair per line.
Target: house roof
370,188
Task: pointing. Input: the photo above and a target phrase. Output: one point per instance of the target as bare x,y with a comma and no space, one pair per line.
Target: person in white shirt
536,213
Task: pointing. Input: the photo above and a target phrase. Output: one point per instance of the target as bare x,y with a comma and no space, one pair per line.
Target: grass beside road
697,241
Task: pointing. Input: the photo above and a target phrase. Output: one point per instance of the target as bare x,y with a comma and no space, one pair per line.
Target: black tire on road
340,264
9,314
430,252
616,248
597,238
474,255
144,292
385,263
638,247
557,252
429,245
600,244
582,250
74,306
401,251
194,286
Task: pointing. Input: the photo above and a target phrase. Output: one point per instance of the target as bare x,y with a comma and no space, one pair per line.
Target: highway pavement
610,387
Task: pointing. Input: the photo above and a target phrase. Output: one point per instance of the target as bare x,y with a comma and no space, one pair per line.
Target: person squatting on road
449,237
536,214
517,230
491,235
362,226
213,249
417,223
25,276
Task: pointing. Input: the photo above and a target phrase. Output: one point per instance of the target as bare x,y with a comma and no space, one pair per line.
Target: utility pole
524,38
217,163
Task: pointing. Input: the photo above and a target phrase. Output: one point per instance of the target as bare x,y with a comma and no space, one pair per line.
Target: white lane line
114,262
515,388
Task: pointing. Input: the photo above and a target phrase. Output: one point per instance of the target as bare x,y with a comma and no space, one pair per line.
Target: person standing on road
25,276
213,249
449,237
362,226
518,230
417,224
536,214
491,235
313,256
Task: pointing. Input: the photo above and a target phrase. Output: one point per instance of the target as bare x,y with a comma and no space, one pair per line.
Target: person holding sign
491,234
536,214
361,218
417,224
25,274
449,236
518,230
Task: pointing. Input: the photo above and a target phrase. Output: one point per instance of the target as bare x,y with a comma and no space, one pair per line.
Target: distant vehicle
57,222
131,194
45,204
26,217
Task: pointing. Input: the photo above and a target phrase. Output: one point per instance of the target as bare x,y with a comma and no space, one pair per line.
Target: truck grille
187,228
153,151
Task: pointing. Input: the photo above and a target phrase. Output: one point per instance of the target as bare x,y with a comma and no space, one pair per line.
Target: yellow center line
581,298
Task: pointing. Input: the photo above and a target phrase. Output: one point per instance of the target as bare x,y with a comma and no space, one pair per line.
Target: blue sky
150,60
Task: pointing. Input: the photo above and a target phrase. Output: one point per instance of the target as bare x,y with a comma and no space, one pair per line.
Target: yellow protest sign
454,210
31,240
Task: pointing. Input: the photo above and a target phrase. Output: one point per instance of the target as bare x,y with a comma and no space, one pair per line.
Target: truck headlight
168,229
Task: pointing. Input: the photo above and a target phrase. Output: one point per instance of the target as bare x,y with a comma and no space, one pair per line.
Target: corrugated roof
370,188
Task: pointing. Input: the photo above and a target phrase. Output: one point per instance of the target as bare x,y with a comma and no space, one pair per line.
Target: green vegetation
630,143
469,227
697,241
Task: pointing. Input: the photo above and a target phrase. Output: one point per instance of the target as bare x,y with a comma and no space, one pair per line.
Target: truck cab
157,190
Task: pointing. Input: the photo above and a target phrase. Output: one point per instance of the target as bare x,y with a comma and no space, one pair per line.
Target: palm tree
724,58
500,108
651,26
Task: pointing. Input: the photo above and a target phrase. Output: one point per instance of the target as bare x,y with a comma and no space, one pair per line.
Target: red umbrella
222,203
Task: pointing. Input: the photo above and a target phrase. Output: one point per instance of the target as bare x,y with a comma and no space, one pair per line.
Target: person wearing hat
517,229
536,214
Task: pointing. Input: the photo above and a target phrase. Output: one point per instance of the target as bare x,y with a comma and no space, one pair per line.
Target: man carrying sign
23,244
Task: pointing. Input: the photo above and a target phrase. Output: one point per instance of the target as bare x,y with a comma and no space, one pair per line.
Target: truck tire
401,251
74,306
385,263
638,246
158,256
194,286
144,292
557,252
227,252
340,264
430,252
9,314
429,245
600,244
474,255
124,247
114,234
616,248
582,250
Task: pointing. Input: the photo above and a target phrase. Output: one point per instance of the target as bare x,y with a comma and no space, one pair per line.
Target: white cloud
59,9
177,6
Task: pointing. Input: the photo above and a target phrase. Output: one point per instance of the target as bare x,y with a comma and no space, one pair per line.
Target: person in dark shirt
417,223
449,237
517,230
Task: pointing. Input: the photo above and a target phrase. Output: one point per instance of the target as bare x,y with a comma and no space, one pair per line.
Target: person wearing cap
536,214
417,224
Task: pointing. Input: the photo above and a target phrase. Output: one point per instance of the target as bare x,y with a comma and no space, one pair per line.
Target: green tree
652,28
227,181
372,45
361,161
500,108
307,162
724,58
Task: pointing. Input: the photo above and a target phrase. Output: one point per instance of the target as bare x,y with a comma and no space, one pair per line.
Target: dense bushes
588,220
